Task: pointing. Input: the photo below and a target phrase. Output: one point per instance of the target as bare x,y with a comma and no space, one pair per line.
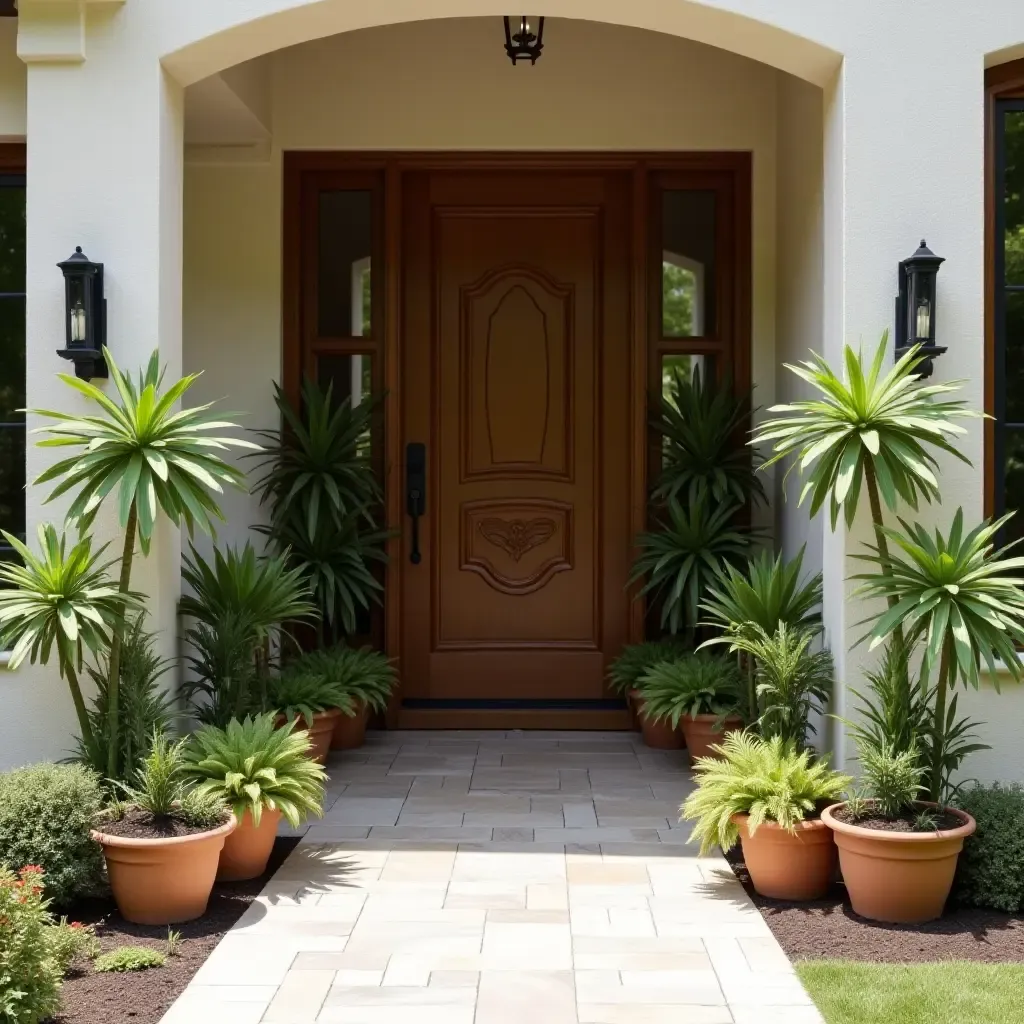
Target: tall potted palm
156,458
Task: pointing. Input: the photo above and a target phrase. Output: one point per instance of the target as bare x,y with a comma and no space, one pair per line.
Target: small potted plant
162,843
699,693
310,701
365,675
263,773
898,853
767,795
625,671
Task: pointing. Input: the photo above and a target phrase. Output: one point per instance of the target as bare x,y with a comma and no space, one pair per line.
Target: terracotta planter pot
657,735
898,877
163,881
247,849
350,730
700,733
634,702
321,730
787,866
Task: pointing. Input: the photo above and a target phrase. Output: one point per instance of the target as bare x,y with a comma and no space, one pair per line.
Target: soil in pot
161,871
247,850
350,730
701,731
785,865
898,876
321,731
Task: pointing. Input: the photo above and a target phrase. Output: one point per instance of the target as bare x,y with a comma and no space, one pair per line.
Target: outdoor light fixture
915,307
85,314
524,43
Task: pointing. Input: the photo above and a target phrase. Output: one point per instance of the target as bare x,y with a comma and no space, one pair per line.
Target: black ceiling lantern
523,43
85,315
915,307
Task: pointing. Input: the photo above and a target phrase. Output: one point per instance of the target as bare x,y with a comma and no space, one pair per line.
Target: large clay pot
785,865
350,730
898,877
703,730
658,735
320,730
247,849
163,881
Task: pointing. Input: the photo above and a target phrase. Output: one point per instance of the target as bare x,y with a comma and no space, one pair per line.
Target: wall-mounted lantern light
85,315
915,307
523,43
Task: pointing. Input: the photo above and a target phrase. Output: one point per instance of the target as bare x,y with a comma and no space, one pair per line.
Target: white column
104,172
903,161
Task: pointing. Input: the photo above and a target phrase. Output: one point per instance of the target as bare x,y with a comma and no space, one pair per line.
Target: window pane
12,238
345,246
1013,377
683,368
12,359
1013,482
688,263
351,377
1013,195
12,481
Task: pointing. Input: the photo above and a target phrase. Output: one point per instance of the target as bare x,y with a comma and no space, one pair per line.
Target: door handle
415,493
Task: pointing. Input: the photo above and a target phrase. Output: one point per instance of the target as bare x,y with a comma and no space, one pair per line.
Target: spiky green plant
704,458
366,675
684,554
961,597
254,766
64,598
766,779
155,457
892,779
297,693
693,684
625,671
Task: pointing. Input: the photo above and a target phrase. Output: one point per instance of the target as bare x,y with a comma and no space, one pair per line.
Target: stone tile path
500,878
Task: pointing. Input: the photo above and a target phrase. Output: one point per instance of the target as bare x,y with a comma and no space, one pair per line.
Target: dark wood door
516,370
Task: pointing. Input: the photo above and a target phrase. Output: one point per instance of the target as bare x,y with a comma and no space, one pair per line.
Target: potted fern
264,773
309,702
624,672
767,795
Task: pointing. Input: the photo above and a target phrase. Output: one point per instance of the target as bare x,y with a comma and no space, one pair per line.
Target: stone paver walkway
500,878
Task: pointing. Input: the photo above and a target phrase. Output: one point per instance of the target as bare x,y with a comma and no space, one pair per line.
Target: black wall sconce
915,307
85,315
524,43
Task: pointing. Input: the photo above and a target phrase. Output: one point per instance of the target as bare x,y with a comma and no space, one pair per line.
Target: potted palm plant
767,795
698,692
162,843
624,672
310,703
263,773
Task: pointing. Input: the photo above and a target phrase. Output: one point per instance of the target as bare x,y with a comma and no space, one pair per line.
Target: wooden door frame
642,166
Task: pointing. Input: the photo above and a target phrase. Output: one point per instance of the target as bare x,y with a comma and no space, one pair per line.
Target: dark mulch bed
145,996
829,928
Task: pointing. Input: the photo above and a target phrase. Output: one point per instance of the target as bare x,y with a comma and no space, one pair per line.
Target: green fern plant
891,779
299,693
694,684
365,675
252,766
768,780
625,671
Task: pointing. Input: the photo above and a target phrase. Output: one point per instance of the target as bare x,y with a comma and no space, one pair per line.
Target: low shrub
129,958
30,976
71,941
990,872
46,811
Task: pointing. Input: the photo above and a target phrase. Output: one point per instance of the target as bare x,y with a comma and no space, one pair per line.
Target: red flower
31,869
76,924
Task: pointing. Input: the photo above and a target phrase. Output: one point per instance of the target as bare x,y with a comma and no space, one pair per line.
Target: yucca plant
684,554
155,457
367,676
296,693
625,671
62,598
962,598
253,766
767,779
693,684
704,457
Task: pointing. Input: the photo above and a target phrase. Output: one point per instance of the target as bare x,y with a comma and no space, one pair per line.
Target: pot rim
712,718
807,825
104,839
966,829
317,716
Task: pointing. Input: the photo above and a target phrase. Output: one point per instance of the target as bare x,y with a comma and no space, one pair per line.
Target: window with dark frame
12,357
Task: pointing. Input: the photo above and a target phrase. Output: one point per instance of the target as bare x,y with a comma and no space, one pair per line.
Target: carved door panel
516,376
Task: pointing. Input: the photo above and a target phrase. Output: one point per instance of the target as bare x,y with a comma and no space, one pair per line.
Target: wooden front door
515,380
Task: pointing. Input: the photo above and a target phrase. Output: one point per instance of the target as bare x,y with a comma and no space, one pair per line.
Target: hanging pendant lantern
521,41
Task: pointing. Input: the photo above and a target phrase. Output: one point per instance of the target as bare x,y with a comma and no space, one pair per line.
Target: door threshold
578,719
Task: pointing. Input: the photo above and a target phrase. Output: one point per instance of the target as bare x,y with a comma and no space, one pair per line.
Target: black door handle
415,493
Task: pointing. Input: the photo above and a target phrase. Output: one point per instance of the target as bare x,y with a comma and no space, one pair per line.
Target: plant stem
79,702
116,642
939,725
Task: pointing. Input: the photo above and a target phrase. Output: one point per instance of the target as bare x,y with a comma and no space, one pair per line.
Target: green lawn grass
953,992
